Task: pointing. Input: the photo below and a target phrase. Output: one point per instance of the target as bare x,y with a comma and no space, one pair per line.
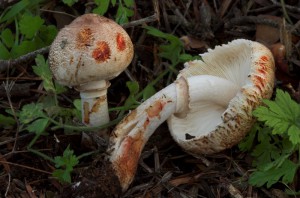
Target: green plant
277,151
65,165
23,30
124,11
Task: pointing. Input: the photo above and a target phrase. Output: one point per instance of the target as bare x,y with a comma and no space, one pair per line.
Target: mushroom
87,54
210,127
208,107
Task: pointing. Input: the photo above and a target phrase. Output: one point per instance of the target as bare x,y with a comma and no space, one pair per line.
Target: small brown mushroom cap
209,128
91,48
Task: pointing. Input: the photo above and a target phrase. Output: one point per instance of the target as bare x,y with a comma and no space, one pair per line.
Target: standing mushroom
86,54
209,107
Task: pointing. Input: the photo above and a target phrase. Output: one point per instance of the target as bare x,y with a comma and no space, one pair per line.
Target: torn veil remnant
86,54
208,108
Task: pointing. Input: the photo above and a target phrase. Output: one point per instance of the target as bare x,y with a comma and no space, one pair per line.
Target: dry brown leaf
266,34
4,163
190,42
30,191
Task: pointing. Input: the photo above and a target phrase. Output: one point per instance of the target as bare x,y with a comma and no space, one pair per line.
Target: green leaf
68,160
47,34
102,6
133,87
284,173
24,48
14,10
187,57
38,126
123,14
148,92
170,51
62,175
77,105
66,163
283,115
129,3
29,25
6,121
248,141
7,37
70,2
31,112
42,69
113,2
4,53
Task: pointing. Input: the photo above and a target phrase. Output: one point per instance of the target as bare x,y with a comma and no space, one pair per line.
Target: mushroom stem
130,136
94,103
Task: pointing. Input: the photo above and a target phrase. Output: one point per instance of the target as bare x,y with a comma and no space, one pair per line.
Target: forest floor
164,169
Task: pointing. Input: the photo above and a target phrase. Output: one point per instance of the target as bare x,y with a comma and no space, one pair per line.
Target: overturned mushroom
210,127
86,54
208,107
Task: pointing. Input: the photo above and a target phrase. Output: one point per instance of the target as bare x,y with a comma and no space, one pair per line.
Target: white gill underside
209,98
228,62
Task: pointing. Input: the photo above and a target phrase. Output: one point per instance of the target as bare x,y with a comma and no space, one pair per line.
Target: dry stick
27,167
5,64
289,7
259,20
18,90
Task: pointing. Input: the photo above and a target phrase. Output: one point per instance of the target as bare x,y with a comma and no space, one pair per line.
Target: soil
164,169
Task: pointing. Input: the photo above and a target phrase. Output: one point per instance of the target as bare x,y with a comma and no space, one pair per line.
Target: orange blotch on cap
102,52
84,38
264,58
121,45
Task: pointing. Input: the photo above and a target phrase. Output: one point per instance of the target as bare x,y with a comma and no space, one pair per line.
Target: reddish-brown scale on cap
84,38
263,61
127,163
264,58
102,52
121,45
259,82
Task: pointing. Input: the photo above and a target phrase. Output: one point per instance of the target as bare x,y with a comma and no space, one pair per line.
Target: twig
8,87
27,167
148,19
5,64
243,20
18,90
8,185
291,8
286,15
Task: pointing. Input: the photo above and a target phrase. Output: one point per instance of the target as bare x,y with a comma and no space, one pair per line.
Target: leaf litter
164,169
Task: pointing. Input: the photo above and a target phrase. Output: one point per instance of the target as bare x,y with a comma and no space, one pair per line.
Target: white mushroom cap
91,48
208,127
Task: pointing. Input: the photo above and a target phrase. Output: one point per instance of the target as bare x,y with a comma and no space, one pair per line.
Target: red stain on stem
126,165
155,109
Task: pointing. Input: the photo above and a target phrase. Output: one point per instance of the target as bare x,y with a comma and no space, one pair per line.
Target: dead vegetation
164,169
